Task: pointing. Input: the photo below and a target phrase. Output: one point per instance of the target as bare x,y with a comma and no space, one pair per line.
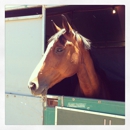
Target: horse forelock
57,35
86,41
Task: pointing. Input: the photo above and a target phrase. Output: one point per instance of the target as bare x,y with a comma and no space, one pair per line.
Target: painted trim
23,18
56,115
51,96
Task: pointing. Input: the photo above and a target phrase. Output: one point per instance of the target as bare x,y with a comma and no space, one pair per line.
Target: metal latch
44,98
52,102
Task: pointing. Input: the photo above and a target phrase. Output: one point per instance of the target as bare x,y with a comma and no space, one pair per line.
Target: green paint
94,105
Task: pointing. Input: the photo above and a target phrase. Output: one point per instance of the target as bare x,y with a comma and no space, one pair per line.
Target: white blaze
34,75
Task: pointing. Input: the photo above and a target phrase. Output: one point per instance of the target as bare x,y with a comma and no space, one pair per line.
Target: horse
67,54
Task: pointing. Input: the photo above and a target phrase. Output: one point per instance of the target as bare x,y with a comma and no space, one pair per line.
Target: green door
82,111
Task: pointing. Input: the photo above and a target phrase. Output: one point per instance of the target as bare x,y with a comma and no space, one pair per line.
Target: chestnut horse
67,54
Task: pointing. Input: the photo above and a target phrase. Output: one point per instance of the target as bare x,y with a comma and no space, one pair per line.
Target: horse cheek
75,59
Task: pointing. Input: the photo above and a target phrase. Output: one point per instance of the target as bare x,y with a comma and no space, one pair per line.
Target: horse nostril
32,86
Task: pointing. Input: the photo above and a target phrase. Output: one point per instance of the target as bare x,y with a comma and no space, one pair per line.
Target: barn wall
24,49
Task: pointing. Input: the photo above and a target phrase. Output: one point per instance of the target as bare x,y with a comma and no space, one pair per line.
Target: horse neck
88,79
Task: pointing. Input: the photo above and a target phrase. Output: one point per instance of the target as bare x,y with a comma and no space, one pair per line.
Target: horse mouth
40,93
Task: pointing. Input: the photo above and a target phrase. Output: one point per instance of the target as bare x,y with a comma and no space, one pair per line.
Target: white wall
23,51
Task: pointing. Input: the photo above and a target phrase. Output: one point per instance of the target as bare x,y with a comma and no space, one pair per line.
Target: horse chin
41,92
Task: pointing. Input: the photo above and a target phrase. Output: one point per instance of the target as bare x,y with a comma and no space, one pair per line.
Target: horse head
60,60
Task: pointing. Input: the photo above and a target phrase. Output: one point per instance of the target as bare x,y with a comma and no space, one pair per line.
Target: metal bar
54,6
17,7
44,104
30,95
23,17
20,94
51,96
43,28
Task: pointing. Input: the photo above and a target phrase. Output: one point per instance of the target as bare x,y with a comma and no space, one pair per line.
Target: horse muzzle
37,89
33,87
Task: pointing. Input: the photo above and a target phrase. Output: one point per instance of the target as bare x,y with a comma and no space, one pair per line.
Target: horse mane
86,41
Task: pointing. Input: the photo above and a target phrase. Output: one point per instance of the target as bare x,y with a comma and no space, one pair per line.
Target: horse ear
65,24
55,27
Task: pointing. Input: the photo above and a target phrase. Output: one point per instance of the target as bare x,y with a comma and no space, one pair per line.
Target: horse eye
59,49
